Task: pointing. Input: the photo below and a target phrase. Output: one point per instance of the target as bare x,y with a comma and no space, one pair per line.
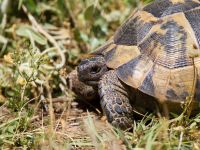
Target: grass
88,132
40,43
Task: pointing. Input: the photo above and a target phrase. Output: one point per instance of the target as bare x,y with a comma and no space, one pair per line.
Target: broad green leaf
27,31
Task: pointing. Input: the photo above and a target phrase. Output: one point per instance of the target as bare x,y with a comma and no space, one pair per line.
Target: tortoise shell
157,50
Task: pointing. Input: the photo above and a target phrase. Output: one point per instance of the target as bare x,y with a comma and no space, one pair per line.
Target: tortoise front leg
115,103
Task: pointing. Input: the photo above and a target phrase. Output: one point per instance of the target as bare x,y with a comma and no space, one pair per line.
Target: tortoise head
90,70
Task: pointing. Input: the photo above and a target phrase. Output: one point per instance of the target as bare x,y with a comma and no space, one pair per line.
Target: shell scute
133,72
120,55
165,83
170,43
135,28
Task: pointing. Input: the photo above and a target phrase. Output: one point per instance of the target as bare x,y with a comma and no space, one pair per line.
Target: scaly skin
115,103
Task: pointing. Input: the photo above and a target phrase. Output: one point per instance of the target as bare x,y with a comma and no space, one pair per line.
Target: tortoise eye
95,69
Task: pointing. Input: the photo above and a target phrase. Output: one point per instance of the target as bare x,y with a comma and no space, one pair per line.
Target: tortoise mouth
92,83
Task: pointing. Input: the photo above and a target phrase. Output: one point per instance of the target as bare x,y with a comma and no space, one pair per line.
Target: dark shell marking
133,31
148,84
158,7
161,8
193,17
174,46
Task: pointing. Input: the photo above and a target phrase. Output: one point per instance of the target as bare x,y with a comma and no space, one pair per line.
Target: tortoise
151,64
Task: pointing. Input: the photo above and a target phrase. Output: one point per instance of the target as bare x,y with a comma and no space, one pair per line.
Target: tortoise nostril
95,69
